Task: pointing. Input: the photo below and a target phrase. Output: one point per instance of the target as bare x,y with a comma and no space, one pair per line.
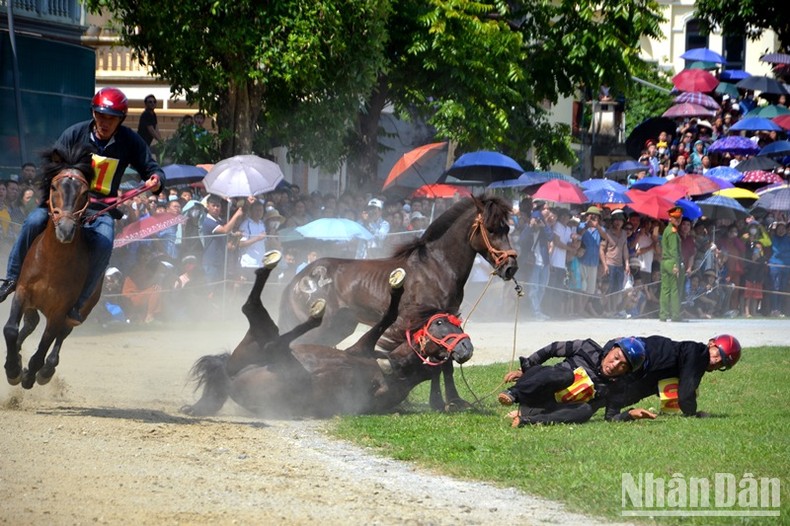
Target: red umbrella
649,204
673,192
695,184
560,191
783,121
411,160
695,80
147,226
440,191
760,176
687,109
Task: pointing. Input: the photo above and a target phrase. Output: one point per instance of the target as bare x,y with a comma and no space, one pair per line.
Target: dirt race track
104,442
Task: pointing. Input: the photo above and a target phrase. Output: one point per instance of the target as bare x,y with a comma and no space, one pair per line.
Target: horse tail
210,373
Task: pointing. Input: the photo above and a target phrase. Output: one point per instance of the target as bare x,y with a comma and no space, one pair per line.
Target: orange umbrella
410,160
440,191
561,191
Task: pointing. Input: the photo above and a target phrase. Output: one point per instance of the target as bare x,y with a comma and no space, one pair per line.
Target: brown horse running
54,270
438,264
269,376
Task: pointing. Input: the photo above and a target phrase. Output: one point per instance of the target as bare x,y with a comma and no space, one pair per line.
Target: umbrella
606,184
720,207
724,172
691,210
721,182
483,166
763,84
701,64
755,124
669,191
703,54
560,192
783,121
760,176
605,195
409,168
695,80
334,229
651,205
648,182
242,176
757,163
531,179
778,199
776,149
769,111
686,109
733,74
147,226
180,174
742,195
735,145
725,88
695,184
700,99
776,58
440,191
648,129
625,168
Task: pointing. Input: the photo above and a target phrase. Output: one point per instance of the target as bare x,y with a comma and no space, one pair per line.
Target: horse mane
415,317
78,157
495,217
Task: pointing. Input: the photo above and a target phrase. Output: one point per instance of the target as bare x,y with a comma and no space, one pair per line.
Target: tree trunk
238,113
364,162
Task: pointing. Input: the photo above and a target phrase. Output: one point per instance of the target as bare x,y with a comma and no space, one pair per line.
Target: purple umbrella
776,58
704,54
687,109
735,145
721,182
700,99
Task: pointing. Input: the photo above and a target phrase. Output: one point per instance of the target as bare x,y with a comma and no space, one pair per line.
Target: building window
734,50
694,37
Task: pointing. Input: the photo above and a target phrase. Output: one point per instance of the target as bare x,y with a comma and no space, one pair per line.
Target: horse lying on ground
438,264
270,377
54,270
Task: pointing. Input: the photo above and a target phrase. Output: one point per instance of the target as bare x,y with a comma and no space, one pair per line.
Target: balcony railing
114,60
63,11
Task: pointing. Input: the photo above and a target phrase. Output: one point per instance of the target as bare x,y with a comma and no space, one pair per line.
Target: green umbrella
768,112
701,64
725,88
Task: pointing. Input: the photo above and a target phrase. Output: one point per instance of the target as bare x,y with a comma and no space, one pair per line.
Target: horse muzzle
463,351
65,230
507,270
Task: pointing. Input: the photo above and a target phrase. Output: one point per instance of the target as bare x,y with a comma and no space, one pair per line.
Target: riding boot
7,288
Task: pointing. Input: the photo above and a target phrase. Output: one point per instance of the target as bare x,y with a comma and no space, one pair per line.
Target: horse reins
499,256
58,213
423,336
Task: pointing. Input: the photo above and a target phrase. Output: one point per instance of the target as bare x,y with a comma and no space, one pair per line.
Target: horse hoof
317,309
397,277
456,406
28,380
14,380
271,258
43,379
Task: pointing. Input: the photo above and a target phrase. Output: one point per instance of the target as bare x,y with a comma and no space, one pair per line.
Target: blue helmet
634,350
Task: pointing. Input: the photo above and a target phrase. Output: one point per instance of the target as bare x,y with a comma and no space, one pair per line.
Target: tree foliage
750,16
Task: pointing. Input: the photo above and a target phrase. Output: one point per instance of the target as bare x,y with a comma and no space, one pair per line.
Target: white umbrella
242,176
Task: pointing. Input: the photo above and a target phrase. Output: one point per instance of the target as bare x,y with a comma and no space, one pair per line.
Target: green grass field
582,465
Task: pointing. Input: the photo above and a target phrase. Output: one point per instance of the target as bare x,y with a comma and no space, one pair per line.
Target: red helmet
110,101
730,349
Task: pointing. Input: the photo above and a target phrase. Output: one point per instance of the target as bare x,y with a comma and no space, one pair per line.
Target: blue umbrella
531,179
483,166
726,173
607,184
648,182
723,183
735,145
334,229
703,54
755,124
179,174
776,149
721,207
734,74
625,168
691,210
604,195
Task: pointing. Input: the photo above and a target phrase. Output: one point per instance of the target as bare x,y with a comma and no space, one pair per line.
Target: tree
239,59
751,17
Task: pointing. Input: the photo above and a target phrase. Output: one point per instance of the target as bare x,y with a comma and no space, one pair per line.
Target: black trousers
535,390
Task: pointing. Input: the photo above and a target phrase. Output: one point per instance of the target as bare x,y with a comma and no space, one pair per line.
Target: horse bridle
57,213
422,336
499,256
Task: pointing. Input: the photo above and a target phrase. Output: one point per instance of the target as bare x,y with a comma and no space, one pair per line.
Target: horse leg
261,324
36,361
13,359
316,316
30,320
47,371
435,398
366,345
454,400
